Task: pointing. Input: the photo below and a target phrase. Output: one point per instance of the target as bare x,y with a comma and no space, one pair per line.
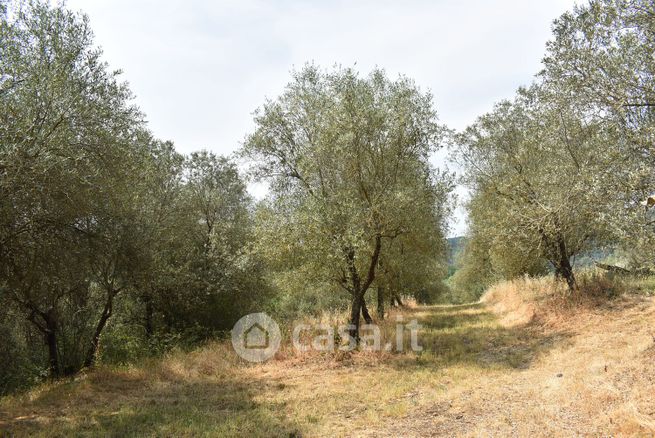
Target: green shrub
19,364
600,285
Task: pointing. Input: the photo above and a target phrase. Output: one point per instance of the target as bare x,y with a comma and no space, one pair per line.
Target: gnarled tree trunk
359,288
365,314
46,323
149,316
50,333
355,310
92,352
381,302
564,267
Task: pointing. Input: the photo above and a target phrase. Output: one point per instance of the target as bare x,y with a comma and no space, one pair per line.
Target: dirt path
594,375
589,373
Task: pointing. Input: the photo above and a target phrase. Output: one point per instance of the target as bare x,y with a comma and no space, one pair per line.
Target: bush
434,294
644,284
19,367
600,285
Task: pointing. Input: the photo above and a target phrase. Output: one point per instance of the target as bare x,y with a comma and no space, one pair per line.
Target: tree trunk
381,302
565,268
567,272
148,318
355,309
359,288
50,320
613,268
92,353
365,314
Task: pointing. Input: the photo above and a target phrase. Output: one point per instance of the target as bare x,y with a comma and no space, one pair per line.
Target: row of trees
567,164
98,220
109,237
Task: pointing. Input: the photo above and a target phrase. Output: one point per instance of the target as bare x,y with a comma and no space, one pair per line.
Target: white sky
200,68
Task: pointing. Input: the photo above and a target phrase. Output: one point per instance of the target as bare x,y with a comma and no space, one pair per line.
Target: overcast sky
200,68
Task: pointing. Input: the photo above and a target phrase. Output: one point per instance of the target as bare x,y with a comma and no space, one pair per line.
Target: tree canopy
115,246
568,163
347,161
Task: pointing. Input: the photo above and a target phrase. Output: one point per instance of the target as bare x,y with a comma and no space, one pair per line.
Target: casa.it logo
256,337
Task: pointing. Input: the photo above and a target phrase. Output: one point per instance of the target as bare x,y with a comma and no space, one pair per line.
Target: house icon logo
256,337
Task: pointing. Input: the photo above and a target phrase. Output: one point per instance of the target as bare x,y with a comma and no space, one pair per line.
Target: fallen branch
613,268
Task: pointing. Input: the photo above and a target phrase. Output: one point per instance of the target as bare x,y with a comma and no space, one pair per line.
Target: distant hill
583,260
455,247
589,258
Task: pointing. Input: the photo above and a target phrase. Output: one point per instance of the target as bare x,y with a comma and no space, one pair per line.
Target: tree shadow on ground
470,334
119,405
168,400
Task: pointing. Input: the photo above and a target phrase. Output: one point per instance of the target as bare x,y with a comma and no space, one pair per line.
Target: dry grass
521,363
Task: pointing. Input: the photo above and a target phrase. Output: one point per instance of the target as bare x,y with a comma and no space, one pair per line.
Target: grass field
504,366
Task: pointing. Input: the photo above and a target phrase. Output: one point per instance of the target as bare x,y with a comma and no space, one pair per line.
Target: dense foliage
114,246
567,165
353,192
99,222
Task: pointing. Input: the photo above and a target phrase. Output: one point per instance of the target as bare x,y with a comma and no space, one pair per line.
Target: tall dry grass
516,301
523,300
334,320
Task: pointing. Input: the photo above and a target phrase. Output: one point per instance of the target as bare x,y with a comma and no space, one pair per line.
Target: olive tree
415,263
218,274
68,141
534,166
601,62
344,156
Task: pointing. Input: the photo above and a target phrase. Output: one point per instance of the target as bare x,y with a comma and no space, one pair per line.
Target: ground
588,371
